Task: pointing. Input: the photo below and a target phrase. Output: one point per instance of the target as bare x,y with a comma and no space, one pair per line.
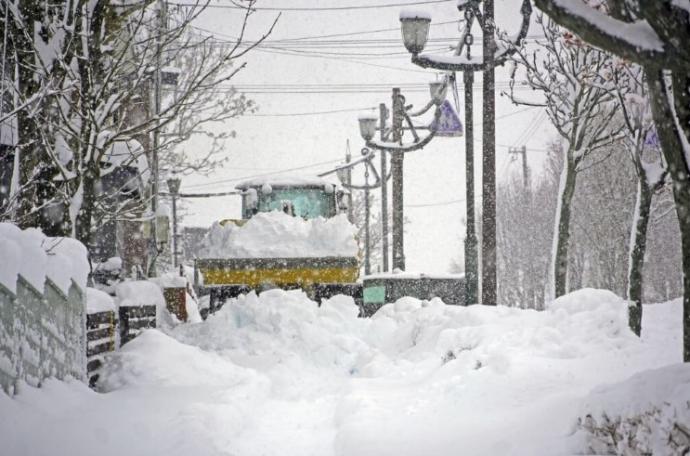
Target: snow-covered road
276,375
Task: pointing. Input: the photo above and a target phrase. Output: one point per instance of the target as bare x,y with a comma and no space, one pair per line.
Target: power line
341,60
336,111
314,113
286,170
364,32
315,8
316,37
442,203
334,88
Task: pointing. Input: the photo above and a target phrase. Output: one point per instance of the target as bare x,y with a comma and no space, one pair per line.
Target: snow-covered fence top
278,235
42,307
35,257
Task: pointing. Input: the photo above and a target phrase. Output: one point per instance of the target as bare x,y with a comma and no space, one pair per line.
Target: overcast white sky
267,144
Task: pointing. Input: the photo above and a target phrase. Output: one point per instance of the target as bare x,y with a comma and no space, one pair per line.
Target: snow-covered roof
413,275
284,181
368,115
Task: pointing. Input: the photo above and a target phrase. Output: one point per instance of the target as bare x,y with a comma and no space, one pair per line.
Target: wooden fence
101,338
134,319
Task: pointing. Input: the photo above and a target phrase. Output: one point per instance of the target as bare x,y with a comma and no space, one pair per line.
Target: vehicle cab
308,198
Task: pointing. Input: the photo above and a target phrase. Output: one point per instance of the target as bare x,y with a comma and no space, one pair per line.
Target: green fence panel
42,334
57,360
76,336
30,305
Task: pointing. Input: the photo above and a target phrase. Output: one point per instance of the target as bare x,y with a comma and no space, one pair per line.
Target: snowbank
276,374
278,235
36,256
155,359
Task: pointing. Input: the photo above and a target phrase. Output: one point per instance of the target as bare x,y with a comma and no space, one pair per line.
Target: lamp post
174,189
344,173
400,115
415,29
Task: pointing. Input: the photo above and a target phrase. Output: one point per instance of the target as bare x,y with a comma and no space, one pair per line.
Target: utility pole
367,127
397,171
489,159
348,181
525,171
383,117
162,17
471,254
415,29
367,214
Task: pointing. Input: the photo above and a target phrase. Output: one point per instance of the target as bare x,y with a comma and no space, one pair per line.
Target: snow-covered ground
276,375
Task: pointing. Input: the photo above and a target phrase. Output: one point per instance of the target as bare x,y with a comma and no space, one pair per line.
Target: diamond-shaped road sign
449,122
652,139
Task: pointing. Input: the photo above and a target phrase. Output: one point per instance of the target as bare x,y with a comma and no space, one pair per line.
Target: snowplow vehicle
293,233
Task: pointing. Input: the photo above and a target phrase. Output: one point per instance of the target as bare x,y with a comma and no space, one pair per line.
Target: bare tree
657,39
640,143
576,81
97,76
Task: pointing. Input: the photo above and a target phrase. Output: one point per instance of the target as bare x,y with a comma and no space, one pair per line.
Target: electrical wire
313,113
442,203
332,88
314,8
286,170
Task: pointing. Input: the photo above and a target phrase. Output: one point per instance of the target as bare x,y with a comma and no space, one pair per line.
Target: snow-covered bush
647,414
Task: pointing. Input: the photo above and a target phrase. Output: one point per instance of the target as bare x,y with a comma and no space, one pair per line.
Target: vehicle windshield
307,203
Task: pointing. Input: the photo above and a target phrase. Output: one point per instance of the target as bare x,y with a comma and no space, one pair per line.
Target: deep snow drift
276,375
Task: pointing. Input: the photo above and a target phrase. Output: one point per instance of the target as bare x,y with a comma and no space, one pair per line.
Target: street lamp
397,148
415,30
367,125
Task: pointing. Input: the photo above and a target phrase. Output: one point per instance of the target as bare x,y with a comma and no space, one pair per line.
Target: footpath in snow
277,375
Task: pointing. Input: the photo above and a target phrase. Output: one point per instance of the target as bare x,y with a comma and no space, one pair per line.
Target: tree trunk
671,137
28,86
638,244
561,235
84,218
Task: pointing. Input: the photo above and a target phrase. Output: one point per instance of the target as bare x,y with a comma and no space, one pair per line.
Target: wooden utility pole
525,171
489,160
397,171
471,254
367,215
162,18
383,117
348,182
